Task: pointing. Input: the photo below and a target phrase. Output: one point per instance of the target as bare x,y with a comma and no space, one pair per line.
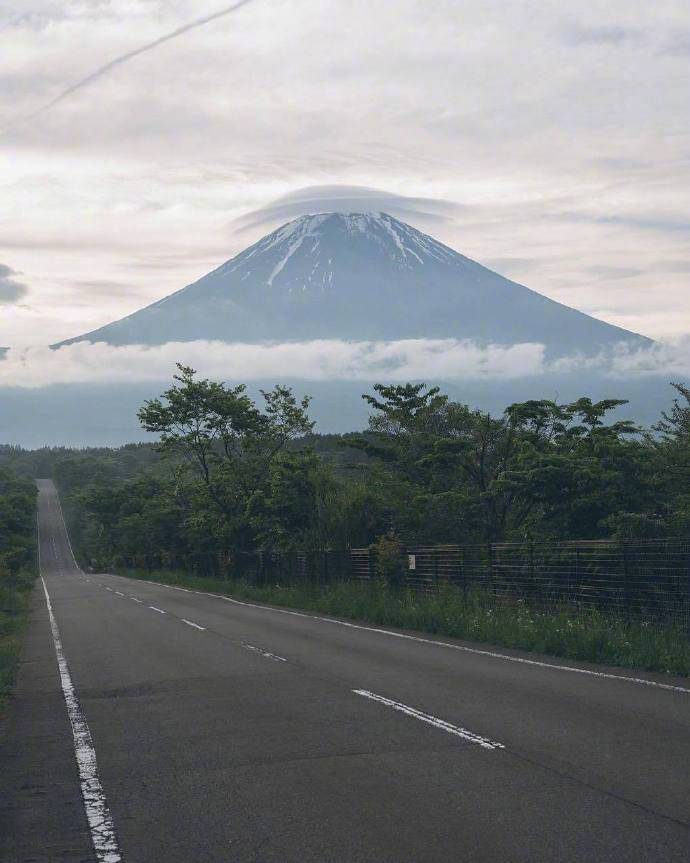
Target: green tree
231,446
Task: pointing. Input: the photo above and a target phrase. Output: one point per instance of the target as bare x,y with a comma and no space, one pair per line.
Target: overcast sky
547,140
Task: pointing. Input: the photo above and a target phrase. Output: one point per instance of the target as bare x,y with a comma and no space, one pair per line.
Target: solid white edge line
457,730
191,623
606,675
95,804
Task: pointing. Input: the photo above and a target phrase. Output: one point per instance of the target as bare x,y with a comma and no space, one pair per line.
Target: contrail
124,58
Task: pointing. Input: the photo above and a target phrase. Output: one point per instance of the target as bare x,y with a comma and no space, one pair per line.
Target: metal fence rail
643,578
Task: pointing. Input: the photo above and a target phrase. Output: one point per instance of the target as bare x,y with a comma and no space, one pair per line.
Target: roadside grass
586,635
14,606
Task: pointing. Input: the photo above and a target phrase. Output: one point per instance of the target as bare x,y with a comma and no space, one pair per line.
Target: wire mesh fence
649,579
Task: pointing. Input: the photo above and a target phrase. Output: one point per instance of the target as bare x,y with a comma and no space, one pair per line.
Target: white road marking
135,599
159,610
110,589
640,681
95,804
195,625
169,586
118,593
66,533
470,736
265,653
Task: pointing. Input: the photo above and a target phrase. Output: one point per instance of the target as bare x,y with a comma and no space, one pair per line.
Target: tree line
230,475
17,567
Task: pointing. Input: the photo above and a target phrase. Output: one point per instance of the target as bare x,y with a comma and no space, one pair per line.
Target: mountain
359,276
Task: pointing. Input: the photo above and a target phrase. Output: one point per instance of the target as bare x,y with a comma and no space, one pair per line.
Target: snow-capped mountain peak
359,276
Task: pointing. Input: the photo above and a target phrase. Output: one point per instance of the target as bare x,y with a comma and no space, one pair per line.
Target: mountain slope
359,277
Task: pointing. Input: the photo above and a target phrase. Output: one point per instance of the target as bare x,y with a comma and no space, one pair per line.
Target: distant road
233,732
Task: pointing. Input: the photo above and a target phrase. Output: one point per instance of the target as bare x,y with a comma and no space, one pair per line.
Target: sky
548,141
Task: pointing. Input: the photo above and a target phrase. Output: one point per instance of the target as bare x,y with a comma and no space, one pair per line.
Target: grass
580,634
14,606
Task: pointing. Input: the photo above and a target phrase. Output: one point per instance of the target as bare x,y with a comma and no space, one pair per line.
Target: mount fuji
362,277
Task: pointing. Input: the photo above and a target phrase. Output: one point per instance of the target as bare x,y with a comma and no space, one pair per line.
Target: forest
17,567
229,476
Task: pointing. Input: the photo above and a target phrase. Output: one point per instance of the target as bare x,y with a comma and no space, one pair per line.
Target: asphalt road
233,732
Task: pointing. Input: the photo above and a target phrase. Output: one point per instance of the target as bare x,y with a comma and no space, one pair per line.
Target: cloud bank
409,359
84,362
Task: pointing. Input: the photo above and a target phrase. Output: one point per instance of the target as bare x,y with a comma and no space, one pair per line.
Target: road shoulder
41,810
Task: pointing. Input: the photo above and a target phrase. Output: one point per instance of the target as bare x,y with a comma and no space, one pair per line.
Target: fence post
626,593
687,594
577,575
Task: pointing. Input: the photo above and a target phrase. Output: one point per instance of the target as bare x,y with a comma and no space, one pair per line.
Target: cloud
678,46
331,359
347,199
605,35
84,362
668,359
644,223
673,266
612,272
124,58
512,265
323,360
11,291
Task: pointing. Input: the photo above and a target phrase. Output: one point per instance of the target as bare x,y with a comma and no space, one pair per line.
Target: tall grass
575,633
14,603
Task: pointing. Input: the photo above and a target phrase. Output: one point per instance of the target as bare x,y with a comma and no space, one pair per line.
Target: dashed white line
97,811
117,592
169,586
110,589
265,653
159,610
448,727
135,599
191,623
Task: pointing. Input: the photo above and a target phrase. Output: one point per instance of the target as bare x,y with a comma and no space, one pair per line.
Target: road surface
179,726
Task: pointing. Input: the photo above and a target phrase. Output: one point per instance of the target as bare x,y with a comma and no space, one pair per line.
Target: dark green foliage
386,553
230,476
17,567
